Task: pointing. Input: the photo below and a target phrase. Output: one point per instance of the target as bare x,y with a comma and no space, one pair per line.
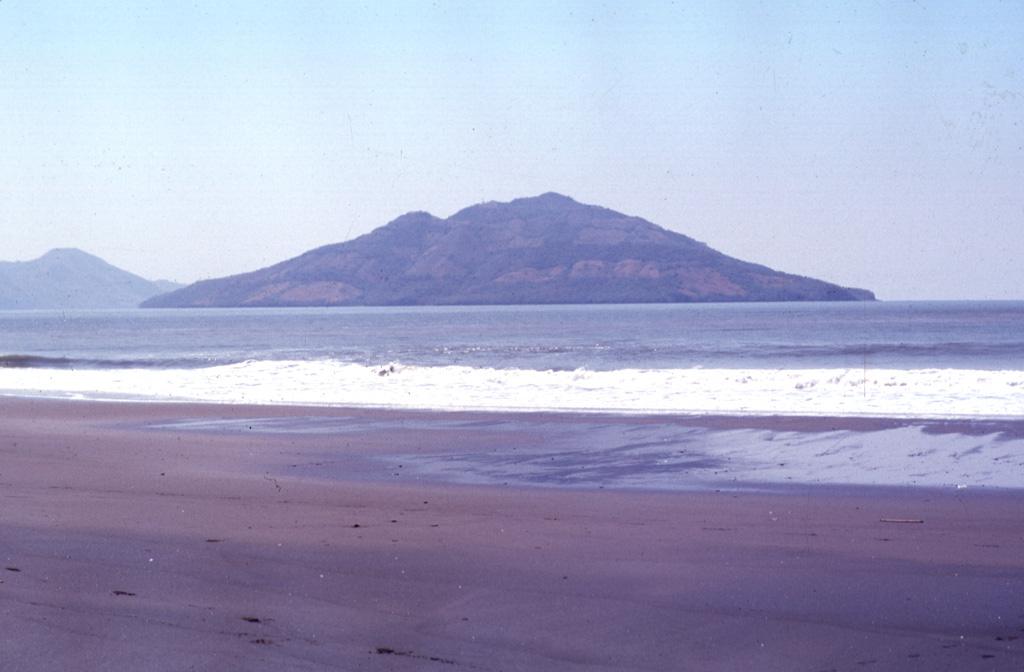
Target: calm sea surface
901,358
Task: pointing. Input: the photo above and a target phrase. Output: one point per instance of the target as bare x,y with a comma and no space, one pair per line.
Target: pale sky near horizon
871,144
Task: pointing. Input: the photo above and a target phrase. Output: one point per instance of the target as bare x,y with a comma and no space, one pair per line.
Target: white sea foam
944,393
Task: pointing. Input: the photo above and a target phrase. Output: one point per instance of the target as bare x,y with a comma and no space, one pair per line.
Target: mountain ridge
542,249
68,278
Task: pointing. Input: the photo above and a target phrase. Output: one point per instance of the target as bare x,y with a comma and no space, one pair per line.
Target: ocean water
903,359
951,373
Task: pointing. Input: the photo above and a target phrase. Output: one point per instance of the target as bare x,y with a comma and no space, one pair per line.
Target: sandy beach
128,544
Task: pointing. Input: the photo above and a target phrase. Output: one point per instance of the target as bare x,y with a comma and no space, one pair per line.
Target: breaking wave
97,364
821,392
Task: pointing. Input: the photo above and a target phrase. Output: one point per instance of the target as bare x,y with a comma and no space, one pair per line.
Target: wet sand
124,547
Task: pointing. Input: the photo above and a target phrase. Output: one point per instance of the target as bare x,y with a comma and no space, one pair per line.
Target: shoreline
130,543
654,452
797,420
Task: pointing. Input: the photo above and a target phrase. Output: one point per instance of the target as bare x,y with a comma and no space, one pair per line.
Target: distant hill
68,279
547,249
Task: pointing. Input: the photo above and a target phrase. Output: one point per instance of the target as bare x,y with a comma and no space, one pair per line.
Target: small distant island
70,279
543,250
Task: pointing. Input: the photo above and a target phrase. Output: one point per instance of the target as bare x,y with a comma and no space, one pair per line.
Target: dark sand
126,548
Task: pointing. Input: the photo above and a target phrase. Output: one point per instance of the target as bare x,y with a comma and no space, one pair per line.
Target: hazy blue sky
872,144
